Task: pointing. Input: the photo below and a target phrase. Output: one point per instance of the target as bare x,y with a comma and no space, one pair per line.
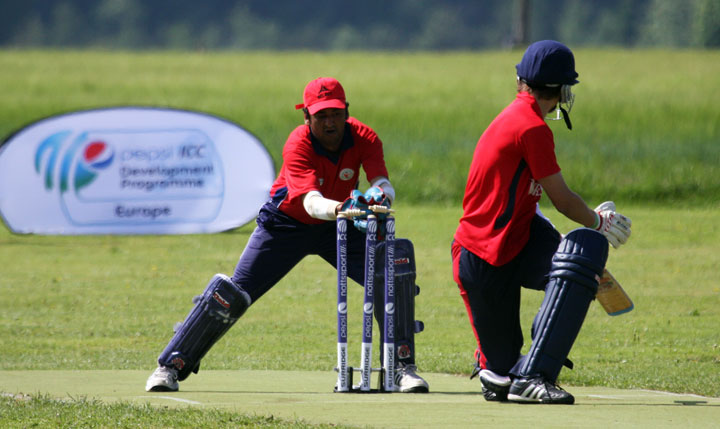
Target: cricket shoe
495,387
407,381
538,390
163,379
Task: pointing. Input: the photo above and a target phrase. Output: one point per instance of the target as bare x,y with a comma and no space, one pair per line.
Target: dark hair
543,91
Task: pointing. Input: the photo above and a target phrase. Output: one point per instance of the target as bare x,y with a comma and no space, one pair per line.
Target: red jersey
502,190
307,166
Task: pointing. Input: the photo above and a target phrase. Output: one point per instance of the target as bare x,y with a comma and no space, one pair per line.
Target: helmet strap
566,117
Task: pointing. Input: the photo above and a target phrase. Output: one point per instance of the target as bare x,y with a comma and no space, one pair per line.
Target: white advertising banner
132,170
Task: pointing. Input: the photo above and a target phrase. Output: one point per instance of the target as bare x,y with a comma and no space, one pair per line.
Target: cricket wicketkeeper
321,167
503,244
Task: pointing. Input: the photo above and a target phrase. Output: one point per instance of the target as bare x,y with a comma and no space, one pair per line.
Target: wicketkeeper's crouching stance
321,167
224,301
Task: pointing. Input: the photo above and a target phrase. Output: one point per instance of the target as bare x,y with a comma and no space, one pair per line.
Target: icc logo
372,227
92,157
192,151
390,226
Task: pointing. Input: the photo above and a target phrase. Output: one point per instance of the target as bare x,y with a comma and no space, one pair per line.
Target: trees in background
347,25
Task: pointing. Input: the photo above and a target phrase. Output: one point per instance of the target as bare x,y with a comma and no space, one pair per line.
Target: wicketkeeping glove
374,197
612,224
356,201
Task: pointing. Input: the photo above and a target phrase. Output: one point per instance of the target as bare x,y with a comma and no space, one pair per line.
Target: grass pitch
83,311
109,302
305,398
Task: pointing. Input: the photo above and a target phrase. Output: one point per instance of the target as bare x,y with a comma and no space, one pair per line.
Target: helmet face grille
562,111
567,98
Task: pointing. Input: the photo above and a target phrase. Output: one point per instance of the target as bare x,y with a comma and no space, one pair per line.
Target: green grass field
645,135
645,122
109,302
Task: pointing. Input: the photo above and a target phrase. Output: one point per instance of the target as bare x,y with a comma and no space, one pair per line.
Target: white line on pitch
605,397
660,392
643,393
187,401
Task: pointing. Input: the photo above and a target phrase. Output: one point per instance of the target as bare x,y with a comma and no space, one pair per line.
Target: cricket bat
612,296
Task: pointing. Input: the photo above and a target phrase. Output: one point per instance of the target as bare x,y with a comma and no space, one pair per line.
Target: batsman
319,176
503,243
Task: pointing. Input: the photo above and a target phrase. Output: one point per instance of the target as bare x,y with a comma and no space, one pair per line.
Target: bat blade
612,296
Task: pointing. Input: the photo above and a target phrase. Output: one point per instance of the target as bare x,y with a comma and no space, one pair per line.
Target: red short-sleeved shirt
307,166
502,189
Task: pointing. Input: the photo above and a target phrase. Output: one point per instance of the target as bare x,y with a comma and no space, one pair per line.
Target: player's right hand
613,225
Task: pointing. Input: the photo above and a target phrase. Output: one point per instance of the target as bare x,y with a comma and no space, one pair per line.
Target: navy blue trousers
492,294
279,242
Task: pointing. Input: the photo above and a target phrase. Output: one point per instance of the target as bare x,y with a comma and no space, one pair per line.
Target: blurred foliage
346,25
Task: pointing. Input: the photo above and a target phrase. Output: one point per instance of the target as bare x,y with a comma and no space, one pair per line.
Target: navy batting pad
405,291
574,275
216,310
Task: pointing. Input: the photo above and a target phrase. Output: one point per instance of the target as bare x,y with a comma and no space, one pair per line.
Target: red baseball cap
323,93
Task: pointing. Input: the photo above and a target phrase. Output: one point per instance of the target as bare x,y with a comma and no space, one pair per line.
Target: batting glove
614,226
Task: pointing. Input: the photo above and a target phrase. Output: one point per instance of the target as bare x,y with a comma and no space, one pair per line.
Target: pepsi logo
342,308
98,154
368,308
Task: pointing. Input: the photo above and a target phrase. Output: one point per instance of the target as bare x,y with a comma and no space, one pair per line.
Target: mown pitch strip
453,401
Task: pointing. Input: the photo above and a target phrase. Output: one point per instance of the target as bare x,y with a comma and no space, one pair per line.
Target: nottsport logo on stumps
132,170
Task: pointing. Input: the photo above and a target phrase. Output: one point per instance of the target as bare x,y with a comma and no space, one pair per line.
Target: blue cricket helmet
547,62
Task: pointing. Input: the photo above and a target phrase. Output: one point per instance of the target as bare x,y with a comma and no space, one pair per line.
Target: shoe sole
523,400
500,392
416,389
491,396
162,389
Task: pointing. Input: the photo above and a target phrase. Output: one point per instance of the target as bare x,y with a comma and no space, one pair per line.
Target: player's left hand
376,196
613,225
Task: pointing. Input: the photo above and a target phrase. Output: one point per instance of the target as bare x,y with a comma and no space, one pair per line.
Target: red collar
528,98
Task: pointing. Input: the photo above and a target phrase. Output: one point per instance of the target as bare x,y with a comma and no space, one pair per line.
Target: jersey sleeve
538,148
